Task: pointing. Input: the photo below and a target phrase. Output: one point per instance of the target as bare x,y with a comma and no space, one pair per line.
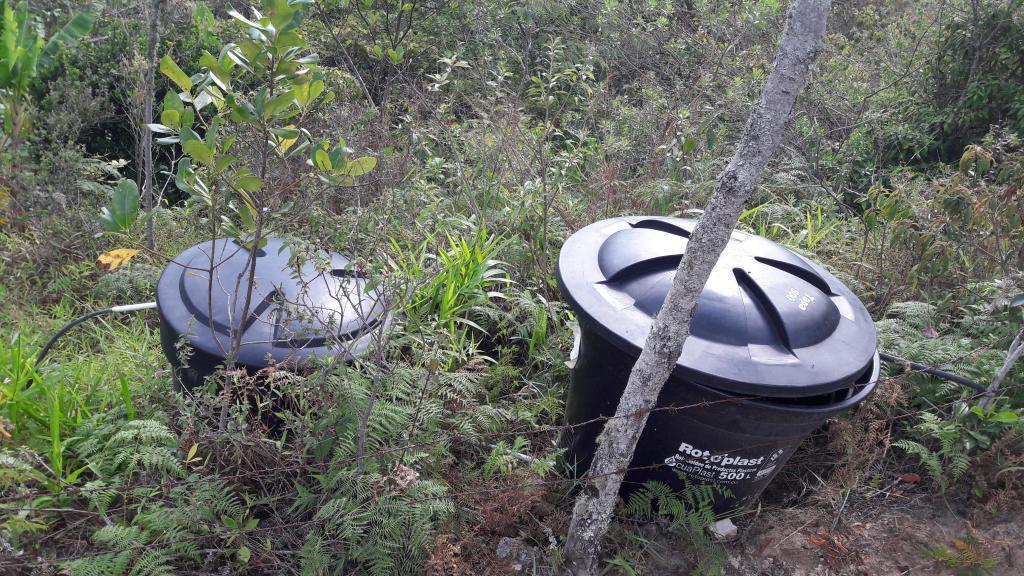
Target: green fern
121,449
314,557
99,565
946,464
689,511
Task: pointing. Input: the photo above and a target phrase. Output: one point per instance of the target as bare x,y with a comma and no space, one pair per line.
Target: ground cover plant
449,149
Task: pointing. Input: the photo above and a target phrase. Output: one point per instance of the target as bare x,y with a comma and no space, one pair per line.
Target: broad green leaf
361,166
238,16
246,212
69,35
249,183
219,75
287,132
123,209
170,118
224,162
281,14
1004,417
316,88
189,134
171,70
198,150
173,102
277,104
183,174
321,160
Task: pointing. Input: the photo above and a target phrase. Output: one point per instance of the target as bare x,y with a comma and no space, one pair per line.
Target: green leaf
321,160
173,102
170,118
277,104
217,73
286,132
238,16
69,35
244,554
711,137
123,209
1004,417
249,183
171,70
224,162
246,212
361,166
196,149
183,174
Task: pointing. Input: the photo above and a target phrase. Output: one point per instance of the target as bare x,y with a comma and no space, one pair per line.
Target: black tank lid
293,312
769,322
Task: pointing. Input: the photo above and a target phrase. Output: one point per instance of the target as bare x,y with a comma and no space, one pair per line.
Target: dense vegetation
450,148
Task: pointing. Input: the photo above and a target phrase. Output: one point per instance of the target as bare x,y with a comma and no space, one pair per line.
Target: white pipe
133,307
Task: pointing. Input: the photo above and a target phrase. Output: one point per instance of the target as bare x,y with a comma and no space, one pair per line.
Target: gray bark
801,41
148,86
1013,354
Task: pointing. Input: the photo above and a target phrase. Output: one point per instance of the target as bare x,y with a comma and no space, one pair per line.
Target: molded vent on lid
799,270
768,310
636,251
663,226
760,294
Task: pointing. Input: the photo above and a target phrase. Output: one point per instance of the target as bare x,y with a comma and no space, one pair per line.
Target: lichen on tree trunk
801,41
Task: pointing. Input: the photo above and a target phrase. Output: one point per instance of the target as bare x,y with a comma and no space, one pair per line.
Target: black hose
90,315
917,367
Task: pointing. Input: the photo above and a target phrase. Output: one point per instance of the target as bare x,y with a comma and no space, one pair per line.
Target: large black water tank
316,307
776,347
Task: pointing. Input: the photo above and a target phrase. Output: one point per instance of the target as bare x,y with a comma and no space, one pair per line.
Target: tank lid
298,309
768,323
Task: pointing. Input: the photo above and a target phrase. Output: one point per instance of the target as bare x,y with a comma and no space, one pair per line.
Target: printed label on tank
723,468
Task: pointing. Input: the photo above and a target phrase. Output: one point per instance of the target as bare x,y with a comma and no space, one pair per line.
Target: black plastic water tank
316,307
776,347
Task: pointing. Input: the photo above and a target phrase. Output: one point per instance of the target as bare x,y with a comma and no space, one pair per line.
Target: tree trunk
1013,353
148,87
801,41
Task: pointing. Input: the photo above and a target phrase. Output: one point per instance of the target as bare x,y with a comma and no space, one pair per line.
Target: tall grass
43,405
453,290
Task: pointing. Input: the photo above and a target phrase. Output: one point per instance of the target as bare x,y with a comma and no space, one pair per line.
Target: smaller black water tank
777,346
318,308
